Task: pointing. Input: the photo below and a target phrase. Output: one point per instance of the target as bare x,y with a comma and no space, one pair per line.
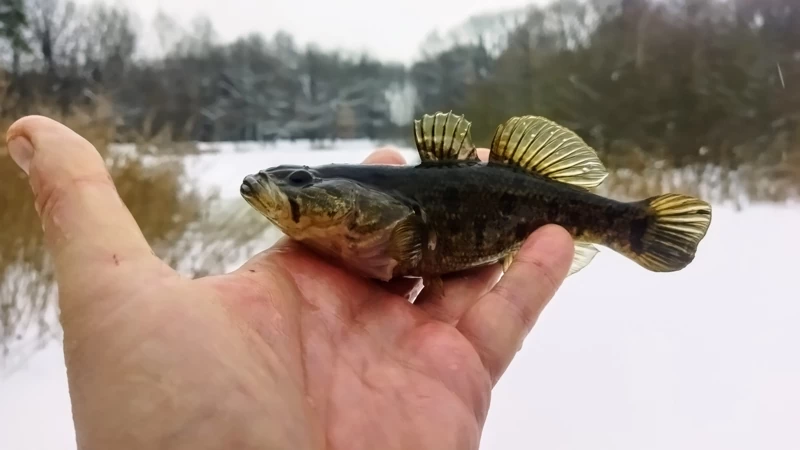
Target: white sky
390,30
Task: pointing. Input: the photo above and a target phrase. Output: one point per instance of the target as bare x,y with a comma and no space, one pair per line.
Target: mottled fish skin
475,213
453,211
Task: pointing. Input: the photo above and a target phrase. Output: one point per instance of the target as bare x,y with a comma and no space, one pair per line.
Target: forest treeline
674,80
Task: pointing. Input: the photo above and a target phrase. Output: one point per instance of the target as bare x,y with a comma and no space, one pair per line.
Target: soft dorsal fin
444,136
540,145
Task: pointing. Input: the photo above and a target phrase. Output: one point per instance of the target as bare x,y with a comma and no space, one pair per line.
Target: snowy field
707,358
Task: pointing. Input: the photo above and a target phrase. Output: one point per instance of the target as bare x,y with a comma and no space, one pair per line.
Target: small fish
453,211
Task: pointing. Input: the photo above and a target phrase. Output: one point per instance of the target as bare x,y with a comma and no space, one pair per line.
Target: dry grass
771,177
185,226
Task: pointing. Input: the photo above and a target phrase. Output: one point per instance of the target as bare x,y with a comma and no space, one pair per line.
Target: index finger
385,156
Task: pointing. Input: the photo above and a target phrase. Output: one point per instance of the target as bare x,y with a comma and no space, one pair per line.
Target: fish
452,211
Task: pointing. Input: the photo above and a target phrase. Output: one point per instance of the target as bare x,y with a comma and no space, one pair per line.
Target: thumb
87,227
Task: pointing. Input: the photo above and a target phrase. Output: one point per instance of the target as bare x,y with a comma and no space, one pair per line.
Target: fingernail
21,151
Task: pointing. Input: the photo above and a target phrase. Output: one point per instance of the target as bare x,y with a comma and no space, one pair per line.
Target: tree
13,24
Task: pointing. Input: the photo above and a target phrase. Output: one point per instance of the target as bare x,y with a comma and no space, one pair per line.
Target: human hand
287,351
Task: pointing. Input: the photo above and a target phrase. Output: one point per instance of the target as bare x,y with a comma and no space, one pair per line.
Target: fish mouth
249,187
262,194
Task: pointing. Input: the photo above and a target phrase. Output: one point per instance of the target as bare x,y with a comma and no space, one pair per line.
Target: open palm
289,351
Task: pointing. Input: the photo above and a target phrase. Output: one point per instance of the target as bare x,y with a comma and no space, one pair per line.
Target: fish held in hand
453,212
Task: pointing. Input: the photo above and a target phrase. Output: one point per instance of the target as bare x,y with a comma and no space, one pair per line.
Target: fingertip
57,149
555,235
34,127
24,138
385,155
18,128
483,154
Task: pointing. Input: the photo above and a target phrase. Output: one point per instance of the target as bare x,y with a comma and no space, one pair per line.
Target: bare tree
54,25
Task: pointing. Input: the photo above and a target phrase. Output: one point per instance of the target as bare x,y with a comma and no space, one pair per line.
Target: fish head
333,214
296,198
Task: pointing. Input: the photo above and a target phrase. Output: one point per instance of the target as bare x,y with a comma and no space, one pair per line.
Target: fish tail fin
667,239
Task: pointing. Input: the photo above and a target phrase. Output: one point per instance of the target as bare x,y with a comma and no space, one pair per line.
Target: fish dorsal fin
540,145
444,136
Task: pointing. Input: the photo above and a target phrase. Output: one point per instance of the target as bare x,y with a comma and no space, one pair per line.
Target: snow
705,358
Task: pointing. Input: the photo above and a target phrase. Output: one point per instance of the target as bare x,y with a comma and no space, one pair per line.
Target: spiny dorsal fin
584,253
444,136
539,145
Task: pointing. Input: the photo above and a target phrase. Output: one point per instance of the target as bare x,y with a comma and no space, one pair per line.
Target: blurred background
694,96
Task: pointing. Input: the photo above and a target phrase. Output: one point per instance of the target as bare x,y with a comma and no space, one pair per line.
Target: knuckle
525,289
518,304
536,269
51,199
47,200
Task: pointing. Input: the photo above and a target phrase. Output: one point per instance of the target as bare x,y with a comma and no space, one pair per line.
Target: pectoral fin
406,241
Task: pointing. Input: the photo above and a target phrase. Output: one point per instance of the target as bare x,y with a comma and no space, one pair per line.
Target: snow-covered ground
706,358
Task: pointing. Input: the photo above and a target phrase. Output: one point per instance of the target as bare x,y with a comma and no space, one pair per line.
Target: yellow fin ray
444,136
405,242
541,146
669,238
584,254
509,258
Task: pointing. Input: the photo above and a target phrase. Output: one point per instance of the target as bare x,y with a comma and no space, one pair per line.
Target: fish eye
300,177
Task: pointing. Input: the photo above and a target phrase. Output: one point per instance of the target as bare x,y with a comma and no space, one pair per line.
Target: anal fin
584,254
541,146
444,136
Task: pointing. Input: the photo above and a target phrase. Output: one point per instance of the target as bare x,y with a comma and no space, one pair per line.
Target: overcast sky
389,29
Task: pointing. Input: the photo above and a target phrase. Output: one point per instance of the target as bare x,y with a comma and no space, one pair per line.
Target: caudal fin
674,227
